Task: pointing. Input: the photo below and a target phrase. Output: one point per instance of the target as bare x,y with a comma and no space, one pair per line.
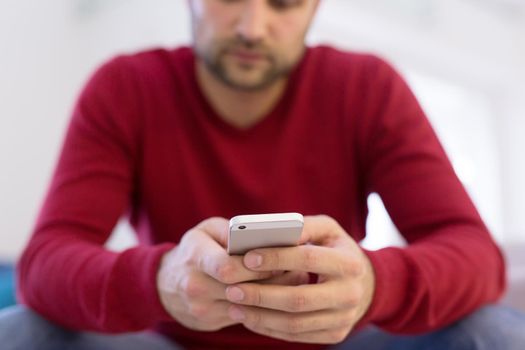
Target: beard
244,76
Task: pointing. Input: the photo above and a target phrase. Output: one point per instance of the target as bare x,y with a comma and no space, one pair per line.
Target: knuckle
256,297
212,320
192,288
294,337
330,220
351,264
210,220
272,258
262,275
210,223
324,217
351,298
297,302
201,262
294,325
358,267
192,261
189,236
331,224
347,320
344,263
358,295
210,327
225,273
338,335
206,326
197,311
254,320
310,257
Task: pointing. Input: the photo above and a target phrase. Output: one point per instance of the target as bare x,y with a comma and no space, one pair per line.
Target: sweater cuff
134,287
391,281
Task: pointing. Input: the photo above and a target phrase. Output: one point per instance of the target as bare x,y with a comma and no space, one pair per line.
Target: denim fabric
489,328
22,329
492,327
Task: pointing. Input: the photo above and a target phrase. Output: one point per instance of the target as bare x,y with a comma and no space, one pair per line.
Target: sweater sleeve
65,273
451,265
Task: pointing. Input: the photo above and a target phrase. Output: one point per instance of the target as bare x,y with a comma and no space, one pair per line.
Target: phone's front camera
242,227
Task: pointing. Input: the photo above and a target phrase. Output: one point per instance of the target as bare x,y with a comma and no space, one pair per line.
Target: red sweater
143,141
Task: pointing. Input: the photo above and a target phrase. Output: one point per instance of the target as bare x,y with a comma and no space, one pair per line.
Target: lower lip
247,58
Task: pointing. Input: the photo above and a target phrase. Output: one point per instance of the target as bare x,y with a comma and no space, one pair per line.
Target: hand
324,312
193,277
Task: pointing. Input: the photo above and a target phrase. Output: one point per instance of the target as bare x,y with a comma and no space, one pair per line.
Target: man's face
249,44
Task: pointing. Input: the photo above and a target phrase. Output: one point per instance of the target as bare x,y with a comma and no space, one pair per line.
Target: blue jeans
490,328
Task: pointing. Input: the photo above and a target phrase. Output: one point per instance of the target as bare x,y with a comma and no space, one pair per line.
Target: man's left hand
324,312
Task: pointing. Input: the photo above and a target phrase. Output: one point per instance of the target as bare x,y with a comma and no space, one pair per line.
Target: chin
246,87
247,82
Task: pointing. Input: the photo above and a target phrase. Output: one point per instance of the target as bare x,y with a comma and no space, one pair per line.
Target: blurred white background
465,60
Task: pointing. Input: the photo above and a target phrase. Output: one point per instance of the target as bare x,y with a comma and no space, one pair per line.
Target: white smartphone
248,232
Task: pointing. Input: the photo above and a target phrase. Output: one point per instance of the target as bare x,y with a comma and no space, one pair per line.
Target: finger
307,258
294,323
213,258
209,316
331,336
200,286
228,269
303,298
290,278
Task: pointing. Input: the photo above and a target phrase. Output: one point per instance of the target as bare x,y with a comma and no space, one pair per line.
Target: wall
465,61
47,51
470,48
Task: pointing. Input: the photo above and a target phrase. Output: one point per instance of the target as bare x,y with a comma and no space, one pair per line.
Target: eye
230,1
285,4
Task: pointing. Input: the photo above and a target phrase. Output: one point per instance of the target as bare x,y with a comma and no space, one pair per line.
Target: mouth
246,56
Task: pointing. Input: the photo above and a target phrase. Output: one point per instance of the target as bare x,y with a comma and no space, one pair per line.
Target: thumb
320,229
217,228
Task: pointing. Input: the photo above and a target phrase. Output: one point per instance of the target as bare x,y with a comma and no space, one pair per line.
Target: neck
241,109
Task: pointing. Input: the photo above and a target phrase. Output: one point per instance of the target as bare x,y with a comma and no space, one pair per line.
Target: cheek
290,35
218,19
211,21
205,35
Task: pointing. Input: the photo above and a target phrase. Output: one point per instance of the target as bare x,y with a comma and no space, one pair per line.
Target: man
251,121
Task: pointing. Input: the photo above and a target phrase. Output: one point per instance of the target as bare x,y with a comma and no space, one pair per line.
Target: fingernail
236,314
234,294
253,260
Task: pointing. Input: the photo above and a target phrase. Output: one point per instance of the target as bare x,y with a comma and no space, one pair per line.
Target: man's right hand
193,277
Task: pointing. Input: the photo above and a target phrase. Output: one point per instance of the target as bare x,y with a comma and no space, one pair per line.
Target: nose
253,21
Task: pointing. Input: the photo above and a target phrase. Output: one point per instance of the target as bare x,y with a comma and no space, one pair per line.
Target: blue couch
7,286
